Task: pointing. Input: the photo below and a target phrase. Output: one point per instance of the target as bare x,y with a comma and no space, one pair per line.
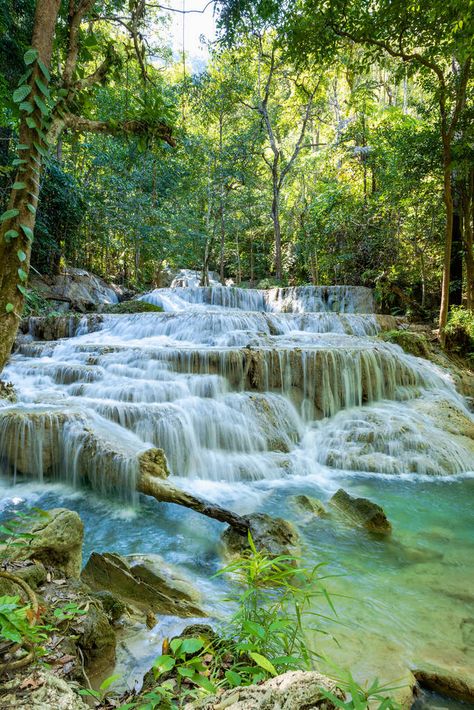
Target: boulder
308,504
80,289
7,391
412,343
95,637
152,462
44,691
362,512
291,691
144,582
446,683
274,536
57,542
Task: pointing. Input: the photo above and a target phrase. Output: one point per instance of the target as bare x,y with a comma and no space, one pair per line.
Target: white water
231,395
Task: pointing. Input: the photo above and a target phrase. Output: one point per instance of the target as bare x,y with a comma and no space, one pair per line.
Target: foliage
460,331
373,695
15,622
15,534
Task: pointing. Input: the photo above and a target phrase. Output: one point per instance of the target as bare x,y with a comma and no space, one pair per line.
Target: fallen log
165,492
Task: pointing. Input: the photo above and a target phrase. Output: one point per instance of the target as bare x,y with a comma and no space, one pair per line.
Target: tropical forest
236,354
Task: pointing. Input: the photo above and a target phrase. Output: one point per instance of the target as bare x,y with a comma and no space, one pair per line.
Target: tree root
25,660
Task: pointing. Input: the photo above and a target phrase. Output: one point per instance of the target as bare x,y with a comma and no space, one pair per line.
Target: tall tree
45,114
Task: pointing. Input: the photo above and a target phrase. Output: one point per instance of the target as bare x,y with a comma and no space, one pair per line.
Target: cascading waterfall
234,385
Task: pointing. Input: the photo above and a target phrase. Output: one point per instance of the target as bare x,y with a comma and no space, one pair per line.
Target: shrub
460,331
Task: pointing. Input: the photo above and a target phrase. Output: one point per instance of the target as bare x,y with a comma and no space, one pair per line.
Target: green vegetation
460,331
133,307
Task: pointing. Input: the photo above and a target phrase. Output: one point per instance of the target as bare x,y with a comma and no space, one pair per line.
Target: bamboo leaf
18,185
22,289
263,662
30,122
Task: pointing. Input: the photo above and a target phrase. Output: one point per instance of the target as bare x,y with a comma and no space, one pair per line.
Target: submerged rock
294,690
145,582
57,542
447,683
362,512
308,504
274,536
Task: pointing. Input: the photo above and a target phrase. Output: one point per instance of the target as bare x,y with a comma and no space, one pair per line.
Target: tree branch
132,126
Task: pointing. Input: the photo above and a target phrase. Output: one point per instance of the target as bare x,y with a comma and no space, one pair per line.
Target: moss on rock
412,343
133,307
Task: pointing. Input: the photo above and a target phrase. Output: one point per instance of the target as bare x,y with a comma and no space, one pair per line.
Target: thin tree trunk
221,201
468,216
448,240
276,226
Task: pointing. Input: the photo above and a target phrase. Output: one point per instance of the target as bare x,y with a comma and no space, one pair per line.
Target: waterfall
234,385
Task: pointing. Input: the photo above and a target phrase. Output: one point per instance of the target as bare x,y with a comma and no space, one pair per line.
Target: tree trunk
467,200
15,251
448,202
276,227
456,285
221,202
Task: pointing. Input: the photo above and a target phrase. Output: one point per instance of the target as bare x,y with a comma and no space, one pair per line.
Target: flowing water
256,396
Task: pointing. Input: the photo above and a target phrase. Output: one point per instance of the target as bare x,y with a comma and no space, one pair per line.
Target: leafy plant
15,534
104,689
360,698
460,331
16,622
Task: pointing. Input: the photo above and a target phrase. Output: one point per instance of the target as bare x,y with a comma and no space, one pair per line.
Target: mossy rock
412,343
133,307
361,512
311,505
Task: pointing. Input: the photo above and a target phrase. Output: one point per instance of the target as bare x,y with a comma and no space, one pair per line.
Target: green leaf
25,76
42,87
9,308
18,185
27,231
26,106
204,682
19,161
11,234
108,681
186,672
22,146
44,70
233,678
263,662
21,255
30,56
191,645
9,214
40,149
87,691
31,208
22,290
22,275
30,122
163,664
175,644
21,93
41,105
